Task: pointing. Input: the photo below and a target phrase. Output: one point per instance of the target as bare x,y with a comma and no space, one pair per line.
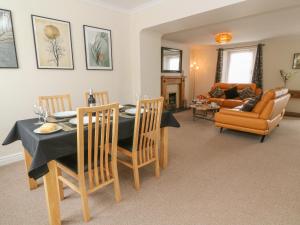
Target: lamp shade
223,37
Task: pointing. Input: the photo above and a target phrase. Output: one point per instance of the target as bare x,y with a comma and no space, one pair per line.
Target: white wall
278,54
206,58
19,88
150,70
165,11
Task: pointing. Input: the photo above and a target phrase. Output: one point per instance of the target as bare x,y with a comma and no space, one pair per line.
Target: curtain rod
239,47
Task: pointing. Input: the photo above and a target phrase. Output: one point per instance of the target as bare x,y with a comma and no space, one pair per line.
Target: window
238,65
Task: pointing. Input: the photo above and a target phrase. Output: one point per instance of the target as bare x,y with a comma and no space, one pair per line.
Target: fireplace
172,100
172,89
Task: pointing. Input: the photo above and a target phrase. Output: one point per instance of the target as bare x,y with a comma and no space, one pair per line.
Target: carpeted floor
212,179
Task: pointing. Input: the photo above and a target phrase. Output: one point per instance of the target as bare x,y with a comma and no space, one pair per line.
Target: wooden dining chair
101,97
96,158
143,149
56,103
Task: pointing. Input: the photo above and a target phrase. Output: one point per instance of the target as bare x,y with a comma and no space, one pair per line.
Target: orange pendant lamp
224,37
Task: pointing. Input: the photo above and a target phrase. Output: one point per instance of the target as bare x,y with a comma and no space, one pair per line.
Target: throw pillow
246,93
250,104
231,93
217,92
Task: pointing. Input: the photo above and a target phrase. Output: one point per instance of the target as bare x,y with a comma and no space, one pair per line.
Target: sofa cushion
250,104
231,103
246,93
216,92
231,93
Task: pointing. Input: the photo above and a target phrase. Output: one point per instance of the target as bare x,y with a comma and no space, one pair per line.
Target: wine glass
37,109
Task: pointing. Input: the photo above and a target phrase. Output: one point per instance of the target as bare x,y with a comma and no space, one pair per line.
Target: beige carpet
212,179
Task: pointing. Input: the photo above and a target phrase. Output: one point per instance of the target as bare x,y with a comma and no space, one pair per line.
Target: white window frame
226,61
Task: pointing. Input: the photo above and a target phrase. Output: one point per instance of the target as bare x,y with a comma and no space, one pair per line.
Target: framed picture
8,53
53,44
296,62
98,49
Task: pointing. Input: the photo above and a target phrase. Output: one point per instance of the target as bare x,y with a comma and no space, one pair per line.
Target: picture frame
296,61
98,48
8,53
53,43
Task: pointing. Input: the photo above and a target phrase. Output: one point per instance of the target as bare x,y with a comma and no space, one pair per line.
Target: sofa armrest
233,112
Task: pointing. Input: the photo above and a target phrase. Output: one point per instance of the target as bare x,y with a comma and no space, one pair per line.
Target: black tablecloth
44,148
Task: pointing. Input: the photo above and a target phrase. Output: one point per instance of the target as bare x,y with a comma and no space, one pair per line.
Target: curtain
257,77
219,66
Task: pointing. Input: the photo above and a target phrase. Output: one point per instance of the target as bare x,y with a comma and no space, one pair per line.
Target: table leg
164,146
52,194
27,158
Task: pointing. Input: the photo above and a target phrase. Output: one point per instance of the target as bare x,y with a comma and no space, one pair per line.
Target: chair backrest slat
101,98
101,142
147,127
55,103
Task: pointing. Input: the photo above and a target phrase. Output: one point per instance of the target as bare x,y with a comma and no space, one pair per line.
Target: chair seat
126,144
70,162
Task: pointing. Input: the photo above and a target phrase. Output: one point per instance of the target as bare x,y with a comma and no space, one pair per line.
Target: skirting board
4,160
293,114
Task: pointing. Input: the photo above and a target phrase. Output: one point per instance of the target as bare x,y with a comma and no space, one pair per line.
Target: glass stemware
40,112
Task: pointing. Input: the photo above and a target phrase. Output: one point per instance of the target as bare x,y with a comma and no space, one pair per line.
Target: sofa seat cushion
231,103
241,121
219,101
237,112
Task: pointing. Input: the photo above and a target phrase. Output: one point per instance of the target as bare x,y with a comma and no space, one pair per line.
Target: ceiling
126,5
252,20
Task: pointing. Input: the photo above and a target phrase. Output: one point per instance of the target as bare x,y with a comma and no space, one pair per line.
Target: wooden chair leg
136,175
84,200
27,158
52,196
116,182
60,185
157,171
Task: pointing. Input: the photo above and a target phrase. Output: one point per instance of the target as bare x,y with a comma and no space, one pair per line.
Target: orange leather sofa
231,103
265,116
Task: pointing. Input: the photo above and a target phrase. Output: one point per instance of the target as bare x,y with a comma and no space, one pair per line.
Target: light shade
223,37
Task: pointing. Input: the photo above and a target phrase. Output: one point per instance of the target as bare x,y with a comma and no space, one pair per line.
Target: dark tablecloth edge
168,121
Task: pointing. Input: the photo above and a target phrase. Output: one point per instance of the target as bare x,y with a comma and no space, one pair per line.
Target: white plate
65,114
132,111
121,106
37,130
85,120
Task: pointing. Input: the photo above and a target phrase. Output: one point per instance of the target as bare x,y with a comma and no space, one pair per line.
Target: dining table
41,151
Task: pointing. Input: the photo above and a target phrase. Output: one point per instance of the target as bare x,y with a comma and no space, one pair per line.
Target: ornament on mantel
285,76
